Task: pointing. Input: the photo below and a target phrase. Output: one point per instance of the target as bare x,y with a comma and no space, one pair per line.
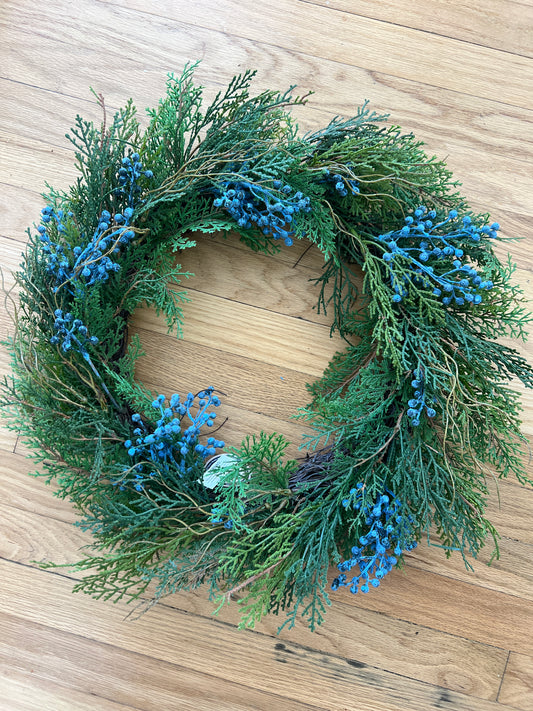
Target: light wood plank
33,538
300,674
477,22
224,269
30,493
517,685
510,507
8,436
20,210
271,390
513,244
444,120
82,666
373,639
206,321
38,157
485,123
463,609
482,68
511,574
38,114
382,641
22,690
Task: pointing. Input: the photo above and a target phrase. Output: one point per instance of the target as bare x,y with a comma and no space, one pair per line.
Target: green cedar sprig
407,423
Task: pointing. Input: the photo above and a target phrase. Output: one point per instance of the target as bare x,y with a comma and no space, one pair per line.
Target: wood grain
483,66
464,609
517,686
478,21
81,666
411,650
21,690
431,111
205,646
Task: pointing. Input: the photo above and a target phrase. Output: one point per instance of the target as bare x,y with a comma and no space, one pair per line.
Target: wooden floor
458,74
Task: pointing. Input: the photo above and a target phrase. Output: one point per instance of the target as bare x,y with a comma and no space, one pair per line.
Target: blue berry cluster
430,247
417,404
389,534
171,445
128,179
219,515
93,262
58,262
253,205
69,332
342,185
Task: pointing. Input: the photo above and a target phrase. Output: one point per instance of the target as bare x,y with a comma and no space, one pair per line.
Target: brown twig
255,577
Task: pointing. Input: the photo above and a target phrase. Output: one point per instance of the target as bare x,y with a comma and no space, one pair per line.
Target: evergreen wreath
407,422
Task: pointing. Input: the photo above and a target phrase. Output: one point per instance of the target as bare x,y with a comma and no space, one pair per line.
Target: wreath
406,423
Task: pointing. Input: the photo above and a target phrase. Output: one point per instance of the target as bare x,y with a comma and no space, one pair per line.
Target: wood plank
444,120
37,158
511,574
483,68
21,208
208,647
381,641
274,391
221,268
373,639
432,112
40,114
33,538
29,493
463,609
82,666
9,261
8,440
20,690
517,684
513,244
206,321
510,507
494,184
478,21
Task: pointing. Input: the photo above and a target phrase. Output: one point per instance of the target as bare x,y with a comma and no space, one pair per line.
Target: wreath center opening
251,329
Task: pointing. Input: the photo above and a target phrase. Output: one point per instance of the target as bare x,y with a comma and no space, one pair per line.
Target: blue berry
254,205
386,528
423,245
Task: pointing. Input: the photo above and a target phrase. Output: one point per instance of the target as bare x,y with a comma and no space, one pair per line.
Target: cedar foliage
271,527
